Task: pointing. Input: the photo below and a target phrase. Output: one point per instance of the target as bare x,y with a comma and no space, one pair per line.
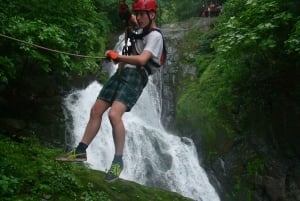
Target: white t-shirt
152,42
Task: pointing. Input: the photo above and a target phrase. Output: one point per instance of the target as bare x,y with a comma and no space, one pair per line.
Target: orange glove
112,55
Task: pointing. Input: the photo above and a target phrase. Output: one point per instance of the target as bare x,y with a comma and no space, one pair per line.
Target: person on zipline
123,89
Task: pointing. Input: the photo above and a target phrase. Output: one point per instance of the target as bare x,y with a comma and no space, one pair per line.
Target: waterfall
152,156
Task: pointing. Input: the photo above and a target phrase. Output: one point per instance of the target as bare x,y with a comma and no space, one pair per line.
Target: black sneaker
114,172
72,156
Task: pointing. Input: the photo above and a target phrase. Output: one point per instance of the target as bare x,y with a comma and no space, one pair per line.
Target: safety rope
51,50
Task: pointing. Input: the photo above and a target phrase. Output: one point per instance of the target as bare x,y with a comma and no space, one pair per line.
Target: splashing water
151,155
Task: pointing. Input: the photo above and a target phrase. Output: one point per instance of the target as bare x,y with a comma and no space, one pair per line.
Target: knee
114,116
96,112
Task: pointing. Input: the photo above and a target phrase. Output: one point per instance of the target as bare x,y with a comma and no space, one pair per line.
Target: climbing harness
51,50
127,50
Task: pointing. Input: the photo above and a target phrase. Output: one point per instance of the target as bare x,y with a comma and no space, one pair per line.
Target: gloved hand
124,11
112,55
126,15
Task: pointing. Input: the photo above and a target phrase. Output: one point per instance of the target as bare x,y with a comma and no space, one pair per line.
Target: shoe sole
111,180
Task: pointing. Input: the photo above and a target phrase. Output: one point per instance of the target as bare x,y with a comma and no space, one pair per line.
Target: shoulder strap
144,33
164,45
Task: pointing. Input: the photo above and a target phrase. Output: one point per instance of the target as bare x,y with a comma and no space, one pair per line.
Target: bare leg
94,123
91,130
115,116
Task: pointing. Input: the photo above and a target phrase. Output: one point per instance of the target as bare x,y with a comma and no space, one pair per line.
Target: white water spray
151,155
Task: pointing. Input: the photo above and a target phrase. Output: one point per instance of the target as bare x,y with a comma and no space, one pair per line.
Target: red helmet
144,5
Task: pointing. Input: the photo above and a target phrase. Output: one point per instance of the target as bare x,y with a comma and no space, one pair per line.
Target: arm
153,48
138,60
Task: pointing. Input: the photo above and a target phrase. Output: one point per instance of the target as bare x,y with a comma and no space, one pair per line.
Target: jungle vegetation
247,80
248,69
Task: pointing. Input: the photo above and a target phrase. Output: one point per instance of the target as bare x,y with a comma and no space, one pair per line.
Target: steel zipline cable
51,50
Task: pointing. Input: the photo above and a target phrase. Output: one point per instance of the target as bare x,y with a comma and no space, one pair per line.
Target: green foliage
254,167
198,105
252,44
92,195
243,187
256,27
243,80
28,172
76,27
178,10
293,43
7,69
172,11
110,10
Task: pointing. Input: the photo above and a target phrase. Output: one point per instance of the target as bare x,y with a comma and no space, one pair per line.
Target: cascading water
151,155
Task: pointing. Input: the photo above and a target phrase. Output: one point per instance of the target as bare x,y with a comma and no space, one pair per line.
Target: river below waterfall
152,156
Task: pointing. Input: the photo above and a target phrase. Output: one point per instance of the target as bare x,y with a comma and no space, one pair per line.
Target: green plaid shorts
125,86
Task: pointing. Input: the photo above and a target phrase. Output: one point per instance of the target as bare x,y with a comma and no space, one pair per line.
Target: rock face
33,105
174,34
263,172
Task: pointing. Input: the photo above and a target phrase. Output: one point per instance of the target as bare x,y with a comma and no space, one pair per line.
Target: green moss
29,173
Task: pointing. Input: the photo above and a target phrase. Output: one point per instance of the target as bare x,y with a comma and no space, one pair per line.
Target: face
143,19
